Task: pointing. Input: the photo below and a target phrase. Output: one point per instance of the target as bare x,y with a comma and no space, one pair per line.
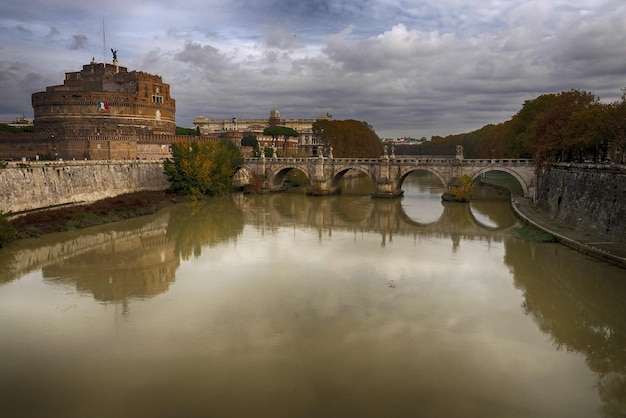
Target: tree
586,133
348,138
278,131
550,127
13,129
202,169
251,141
615,125
188,131
463,191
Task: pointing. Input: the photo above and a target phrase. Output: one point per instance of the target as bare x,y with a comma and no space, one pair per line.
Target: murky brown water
288,306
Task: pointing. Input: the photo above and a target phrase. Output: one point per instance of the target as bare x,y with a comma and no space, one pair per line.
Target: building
19,122
306,144
106,99
103,112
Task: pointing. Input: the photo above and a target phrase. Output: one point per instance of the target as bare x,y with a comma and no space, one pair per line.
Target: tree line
568,126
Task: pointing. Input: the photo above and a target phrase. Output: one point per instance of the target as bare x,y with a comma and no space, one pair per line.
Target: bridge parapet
499,162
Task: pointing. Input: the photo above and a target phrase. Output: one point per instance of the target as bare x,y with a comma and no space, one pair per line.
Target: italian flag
103,106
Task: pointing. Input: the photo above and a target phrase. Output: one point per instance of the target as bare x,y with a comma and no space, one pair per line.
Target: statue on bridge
459,152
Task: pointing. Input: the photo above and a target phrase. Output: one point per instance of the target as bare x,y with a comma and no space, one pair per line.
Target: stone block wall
590,198
46,184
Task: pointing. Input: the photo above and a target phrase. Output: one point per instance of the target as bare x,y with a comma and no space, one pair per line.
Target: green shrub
202,169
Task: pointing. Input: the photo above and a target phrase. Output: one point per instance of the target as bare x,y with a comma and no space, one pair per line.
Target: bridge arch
278,176
242,176
341,172
406,171
522,182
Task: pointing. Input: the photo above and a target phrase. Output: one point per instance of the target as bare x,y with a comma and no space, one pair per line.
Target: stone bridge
386,172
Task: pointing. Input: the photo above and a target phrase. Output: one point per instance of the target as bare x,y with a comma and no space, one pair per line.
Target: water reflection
286,305
123,246
579,303
422,197
386,217
137,258
492,214
203,223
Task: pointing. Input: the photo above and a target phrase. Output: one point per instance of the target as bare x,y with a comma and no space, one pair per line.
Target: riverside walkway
612,251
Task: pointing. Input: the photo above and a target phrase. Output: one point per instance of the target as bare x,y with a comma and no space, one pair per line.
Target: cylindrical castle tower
106,99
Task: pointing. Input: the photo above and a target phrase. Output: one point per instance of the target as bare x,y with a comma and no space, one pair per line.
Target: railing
400,160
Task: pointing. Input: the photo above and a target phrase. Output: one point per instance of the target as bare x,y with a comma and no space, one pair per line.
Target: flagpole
104,44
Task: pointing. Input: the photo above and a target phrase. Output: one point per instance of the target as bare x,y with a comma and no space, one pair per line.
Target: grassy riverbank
83,216
530,233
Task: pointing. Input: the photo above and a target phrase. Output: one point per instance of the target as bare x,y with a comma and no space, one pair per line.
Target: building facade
306,144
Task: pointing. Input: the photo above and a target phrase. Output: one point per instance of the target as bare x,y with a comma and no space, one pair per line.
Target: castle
106,99
102,112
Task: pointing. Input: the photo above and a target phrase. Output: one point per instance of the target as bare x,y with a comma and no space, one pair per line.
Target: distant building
106,99
19,122
306,144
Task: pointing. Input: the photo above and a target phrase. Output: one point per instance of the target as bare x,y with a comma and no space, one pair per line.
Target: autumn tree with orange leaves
348,138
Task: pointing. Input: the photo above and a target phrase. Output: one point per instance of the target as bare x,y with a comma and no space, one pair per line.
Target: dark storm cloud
15,79
200,55
78,42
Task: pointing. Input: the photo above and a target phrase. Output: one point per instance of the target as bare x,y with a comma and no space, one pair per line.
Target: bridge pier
320,188
386,189
319,178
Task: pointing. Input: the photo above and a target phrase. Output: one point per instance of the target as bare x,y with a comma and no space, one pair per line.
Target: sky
408,68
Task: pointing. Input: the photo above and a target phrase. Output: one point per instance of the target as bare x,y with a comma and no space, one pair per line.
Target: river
291,306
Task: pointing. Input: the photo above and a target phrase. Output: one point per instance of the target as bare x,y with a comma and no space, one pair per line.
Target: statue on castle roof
114,51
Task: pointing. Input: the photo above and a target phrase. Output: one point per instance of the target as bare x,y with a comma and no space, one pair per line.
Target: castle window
157,99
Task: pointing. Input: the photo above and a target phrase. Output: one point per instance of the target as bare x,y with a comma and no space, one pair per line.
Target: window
157,99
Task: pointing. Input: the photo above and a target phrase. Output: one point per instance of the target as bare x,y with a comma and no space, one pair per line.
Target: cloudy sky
407,67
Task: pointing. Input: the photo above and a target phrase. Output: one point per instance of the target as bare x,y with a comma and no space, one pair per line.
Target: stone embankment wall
590,198
25,187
